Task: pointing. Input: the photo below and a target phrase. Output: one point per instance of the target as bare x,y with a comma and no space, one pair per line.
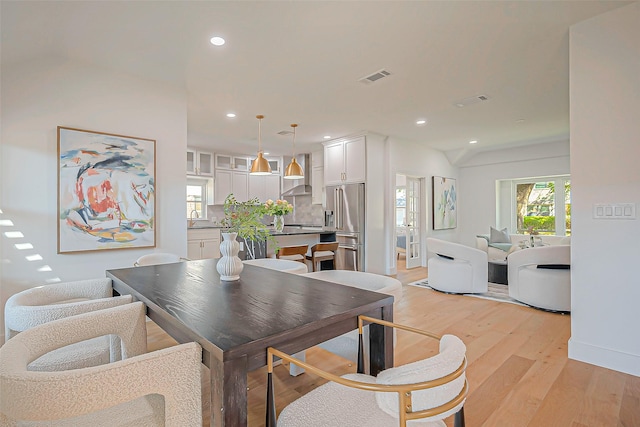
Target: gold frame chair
404,391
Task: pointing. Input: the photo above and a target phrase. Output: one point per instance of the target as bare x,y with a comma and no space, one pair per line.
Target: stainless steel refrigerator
345,214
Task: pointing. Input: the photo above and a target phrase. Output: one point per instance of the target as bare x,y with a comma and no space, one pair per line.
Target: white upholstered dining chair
39,305
158,258
418,394
161,388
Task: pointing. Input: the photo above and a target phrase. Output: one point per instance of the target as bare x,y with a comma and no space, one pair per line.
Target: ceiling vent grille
378,75
285,132
471,100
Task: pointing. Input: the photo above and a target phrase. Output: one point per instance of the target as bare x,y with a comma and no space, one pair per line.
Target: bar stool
322,252
293,253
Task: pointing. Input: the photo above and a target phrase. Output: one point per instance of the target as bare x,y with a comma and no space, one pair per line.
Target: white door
412,224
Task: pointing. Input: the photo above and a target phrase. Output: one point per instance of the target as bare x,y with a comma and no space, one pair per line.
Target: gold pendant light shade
294,170
260,165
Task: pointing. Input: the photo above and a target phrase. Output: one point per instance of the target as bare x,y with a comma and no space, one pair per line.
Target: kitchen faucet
191,221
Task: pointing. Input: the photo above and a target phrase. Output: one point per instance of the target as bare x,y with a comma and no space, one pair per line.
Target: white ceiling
300,62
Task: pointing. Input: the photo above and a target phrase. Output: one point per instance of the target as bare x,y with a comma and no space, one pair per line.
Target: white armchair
36,306
426,391
456,268
160,388
541,277
346,345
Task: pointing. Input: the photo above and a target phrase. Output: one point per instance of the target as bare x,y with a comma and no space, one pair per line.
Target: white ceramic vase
229,265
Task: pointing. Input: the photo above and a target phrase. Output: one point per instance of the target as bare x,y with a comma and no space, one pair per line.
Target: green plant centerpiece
245,218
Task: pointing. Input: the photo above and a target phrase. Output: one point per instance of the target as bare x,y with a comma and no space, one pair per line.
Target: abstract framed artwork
106,191
445,199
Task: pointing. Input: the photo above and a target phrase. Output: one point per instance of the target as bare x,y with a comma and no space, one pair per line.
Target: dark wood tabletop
235,322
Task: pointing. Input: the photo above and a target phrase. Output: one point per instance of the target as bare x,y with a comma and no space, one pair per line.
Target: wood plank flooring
518,372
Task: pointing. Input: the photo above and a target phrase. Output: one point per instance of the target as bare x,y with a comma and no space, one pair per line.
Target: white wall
39,96
477,188
605,107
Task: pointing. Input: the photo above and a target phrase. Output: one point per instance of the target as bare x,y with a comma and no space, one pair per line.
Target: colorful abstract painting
106,191
445,199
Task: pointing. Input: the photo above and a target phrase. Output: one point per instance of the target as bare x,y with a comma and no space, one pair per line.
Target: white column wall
605,112
36,98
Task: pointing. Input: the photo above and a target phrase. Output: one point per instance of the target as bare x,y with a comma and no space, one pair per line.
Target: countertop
289,230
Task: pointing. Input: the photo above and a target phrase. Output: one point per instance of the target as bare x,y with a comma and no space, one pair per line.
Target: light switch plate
614,211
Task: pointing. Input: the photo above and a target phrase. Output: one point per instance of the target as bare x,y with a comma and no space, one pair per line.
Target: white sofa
499,252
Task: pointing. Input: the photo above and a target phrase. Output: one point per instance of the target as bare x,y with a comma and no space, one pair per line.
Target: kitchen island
291,235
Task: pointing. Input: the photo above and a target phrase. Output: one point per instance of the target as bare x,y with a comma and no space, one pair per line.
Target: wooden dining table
235,322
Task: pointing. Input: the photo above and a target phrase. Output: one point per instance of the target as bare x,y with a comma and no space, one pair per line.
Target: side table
498,272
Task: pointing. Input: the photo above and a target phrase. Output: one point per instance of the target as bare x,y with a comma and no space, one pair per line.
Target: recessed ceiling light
217,41
266,153
231,115
421,122
520,121
327,137
473,142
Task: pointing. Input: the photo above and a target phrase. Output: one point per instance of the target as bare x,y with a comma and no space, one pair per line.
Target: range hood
303,189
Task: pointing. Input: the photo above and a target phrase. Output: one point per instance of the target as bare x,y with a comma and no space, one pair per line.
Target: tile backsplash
303,212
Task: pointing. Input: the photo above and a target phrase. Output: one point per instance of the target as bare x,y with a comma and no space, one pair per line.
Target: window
541,205
401,203
197,195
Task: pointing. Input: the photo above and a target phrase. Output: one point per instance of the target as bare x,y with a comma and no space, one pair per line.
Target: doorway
408,219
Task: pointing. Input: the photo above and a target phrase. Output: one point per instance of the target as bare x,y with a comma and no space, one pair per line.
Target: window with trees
543,205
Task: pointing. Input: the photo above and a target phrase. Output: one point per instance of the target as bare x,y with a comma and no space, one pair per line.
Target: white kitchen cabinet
231,162
317,185
317,177
345,161
199,163
203,243
264,187
226,182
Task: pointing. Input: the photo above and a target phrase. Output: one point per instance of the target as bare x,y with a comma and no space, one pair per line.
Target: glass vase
278,223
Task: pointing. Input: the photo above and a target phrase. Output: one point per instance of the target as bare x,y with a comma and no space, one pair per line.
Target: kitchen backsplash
303,212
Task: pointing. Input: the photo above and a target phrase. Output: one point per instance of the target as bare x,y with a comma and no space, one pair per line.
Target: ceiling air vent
285,132
471,100
375,76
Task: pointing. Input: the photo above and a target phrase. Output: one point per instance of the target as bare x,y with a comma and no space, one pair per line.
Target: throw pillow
499,236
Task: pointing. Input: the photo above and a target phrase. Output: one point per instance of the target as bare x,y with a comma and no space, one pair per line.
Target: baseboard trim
604,357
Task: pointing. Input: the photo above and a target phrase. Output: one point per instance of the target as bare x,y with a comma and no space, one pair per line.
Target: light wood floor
518,372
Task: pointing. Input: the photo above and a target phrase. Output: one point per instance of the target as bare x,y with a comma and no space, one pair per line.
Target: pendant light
260,165
294,170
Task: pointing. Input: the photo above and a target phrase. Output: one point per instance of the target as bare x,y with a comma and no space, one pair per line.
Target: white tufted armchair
36,306
161,388
456,268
